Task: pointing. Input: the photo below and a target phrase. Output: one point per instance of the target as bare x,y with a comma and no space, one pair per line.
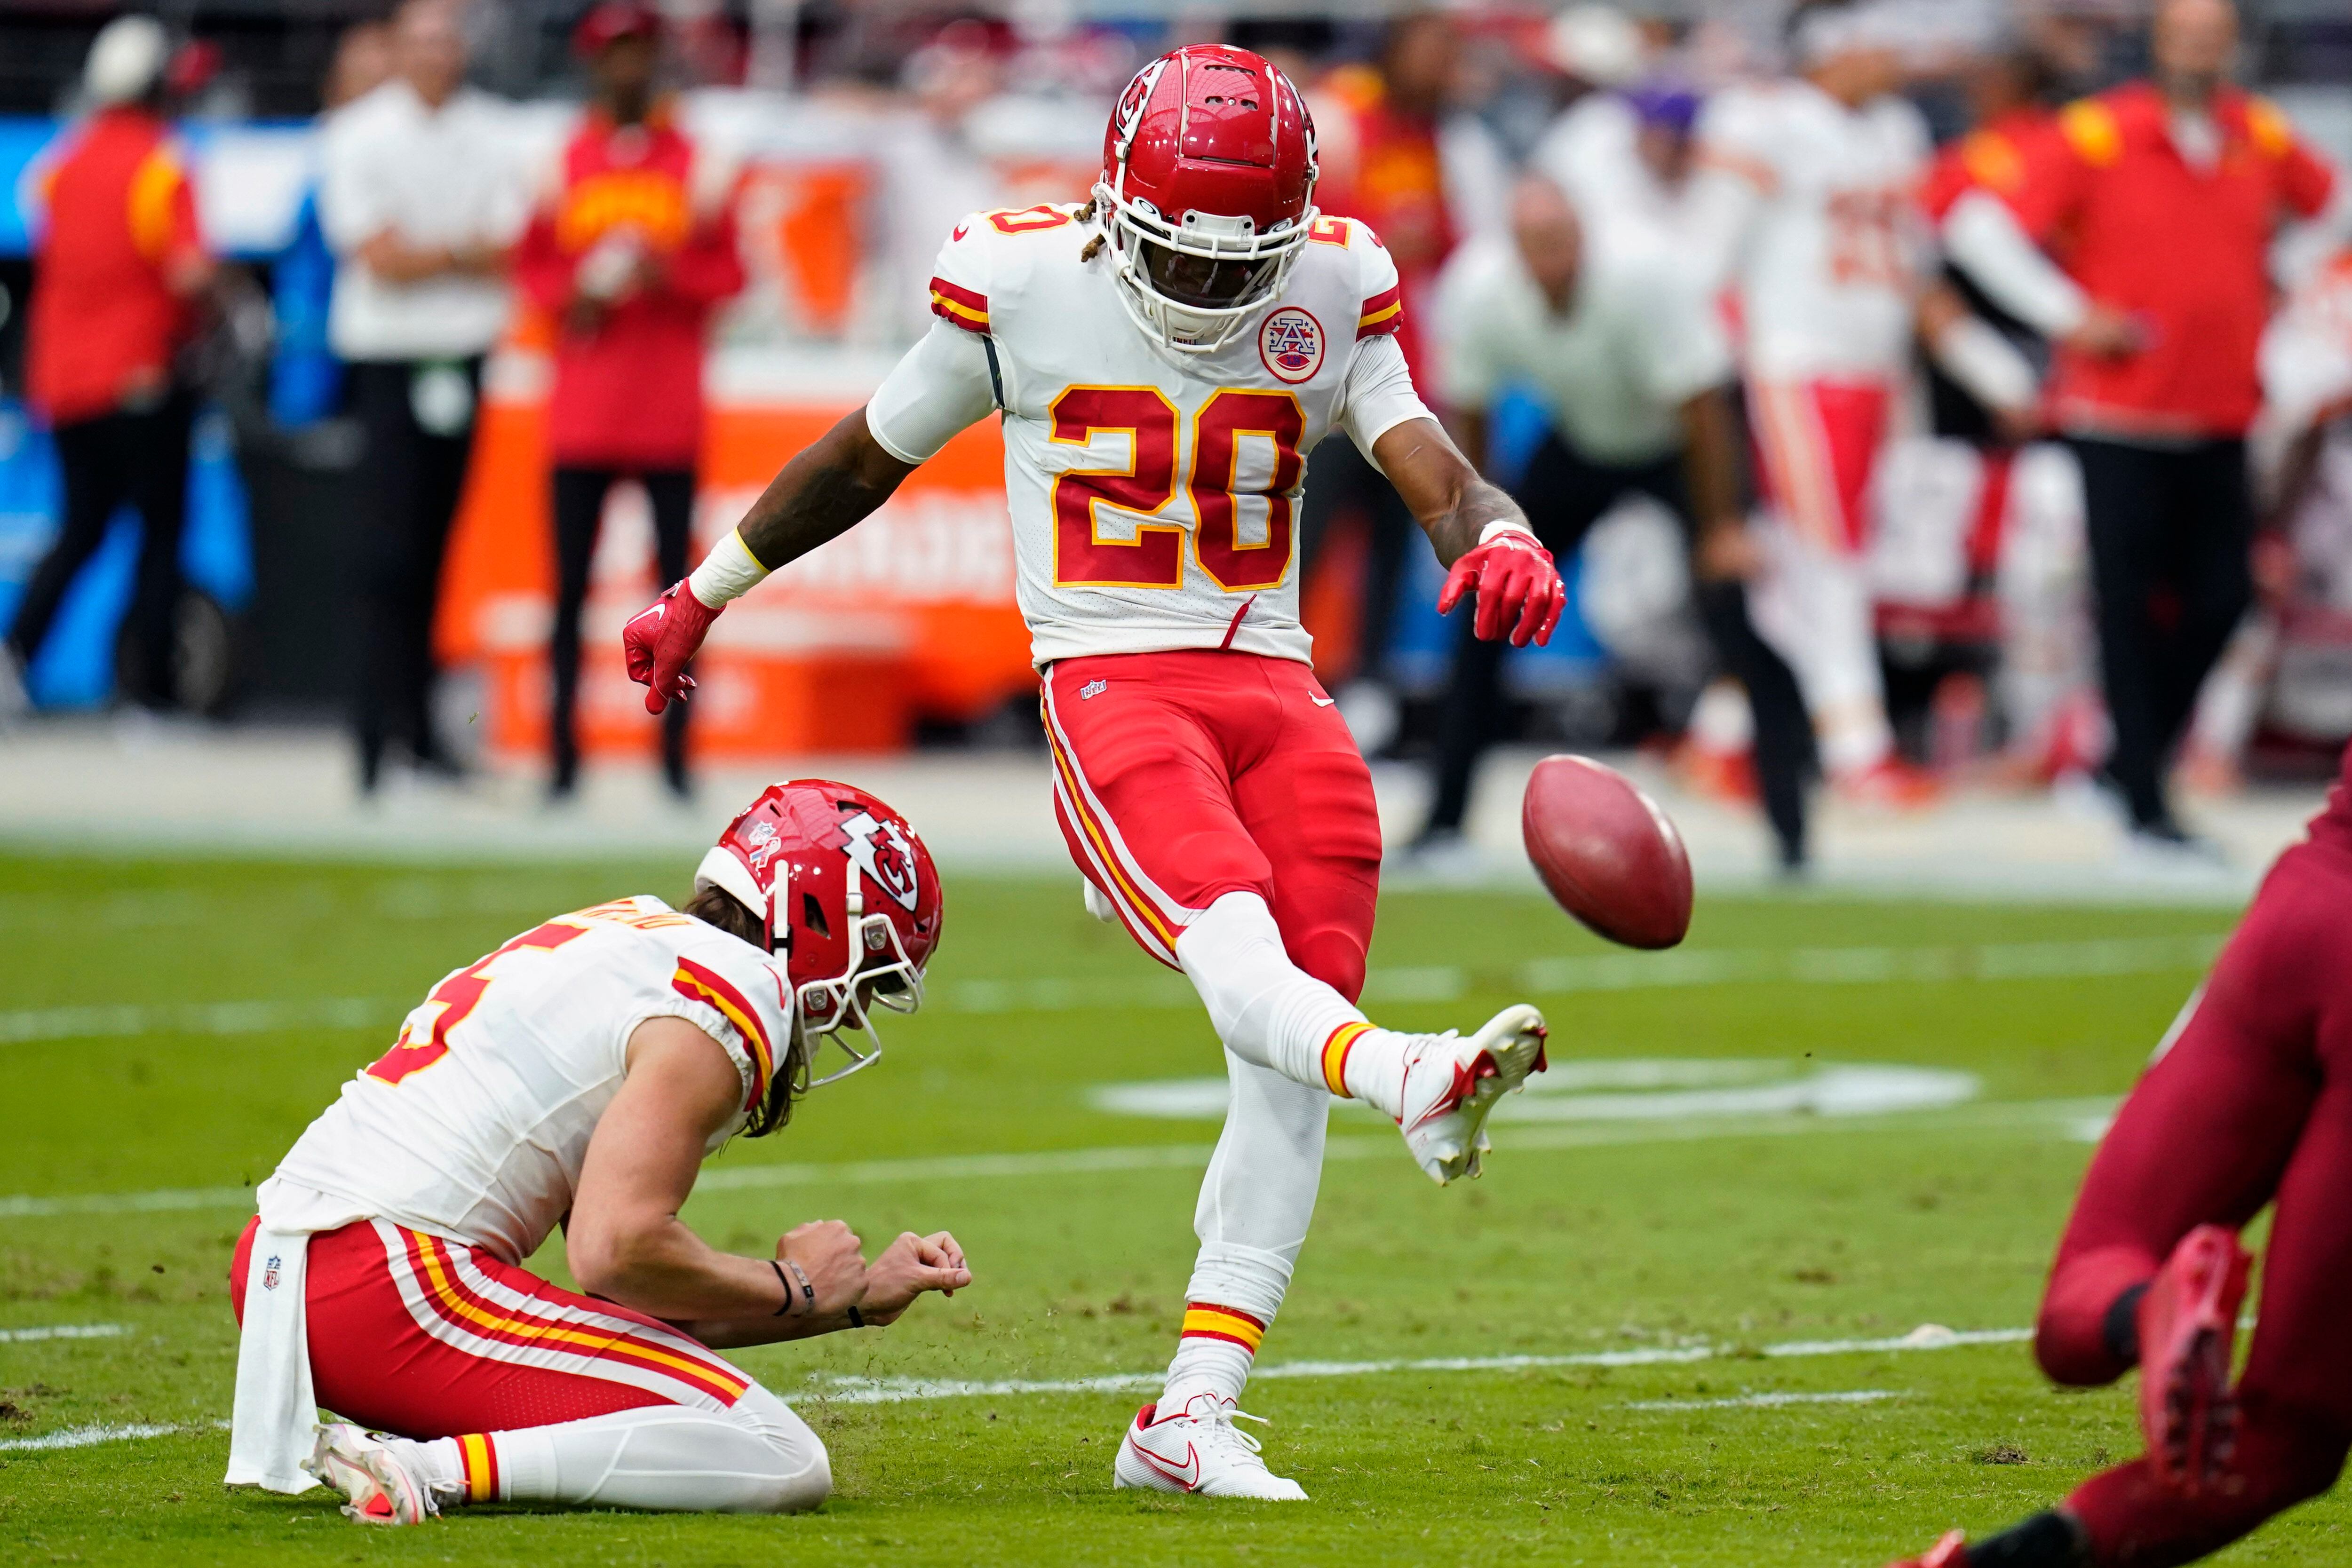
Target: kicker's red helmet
850,899
1207,191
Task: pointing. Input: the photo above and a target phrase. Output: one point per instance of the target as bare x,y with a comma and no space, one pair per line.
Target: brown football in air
1606,852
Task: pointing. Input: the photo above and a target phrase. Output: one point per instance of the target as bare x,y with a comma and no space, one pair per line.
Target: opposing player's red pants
2252,1103
1180,777
425,1337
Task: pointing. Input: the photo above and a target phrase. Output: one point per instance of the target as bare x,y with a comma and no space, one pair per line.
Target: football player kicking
2249,1102
578,1076
1165,357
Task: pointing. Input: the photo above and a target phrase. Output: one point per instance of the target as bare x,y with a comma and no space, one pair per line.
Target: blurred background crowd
1924,396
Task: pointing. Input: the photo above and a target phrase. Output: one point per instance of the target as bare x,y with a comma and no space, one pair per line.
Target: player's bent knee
1334,957
802,1474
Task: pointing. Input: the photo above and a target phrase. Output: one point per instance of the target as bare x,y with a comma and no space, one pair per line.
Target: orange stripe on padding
1335,1055
485,1319
1203,1320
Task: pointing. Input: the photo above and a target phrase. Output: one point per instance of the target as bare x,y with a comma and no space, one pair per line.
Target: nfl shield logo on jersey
1291,344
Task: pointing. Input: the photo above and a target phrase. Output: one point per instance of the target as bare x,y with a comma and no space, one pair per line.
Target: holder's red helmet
1207,191
849,897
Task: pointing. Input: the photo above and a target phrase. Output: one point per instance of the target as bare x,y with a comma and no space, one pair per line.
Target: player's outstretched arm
625,1240
1479,533
833,484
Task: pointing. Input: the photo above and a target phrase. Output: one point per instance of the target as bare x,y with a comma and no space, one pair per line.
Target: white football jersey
1154,495
1810,210
474,1125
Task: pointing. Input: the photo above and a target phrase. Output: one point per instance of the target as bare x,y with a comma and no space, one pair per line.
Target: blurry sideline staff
2161,198
1623,146
1379,162
420,199
119,270
630,252
1626,350
1803,203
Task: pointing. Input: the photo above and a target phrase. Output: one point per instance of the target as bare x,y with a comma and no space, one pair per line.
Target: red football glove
658,640
1517,587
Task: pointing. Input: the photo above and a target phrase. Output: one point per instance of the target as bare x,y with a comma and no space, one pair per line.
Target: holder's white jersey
1809,209
474,1125
1154,495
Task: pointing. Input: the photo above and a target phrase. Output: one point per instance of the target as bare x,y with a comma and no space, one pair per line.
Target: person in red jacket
631,252
2160,200
119,269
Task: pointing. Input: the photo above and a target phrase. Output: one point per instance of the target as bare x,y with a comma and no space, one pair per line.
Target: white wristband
1502,525
728,571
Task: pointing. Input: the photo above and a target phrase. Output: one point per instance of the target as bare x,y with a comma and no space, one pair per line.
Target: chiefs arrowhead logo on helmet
850,900
879,849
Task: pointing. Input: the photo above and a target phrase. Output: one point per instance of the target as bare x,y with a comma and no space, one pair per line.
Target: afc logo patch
1291,344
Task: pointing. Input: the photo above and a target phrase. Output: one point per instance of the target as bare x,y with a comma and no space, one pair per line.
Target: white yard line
1437,983
1766,1401
905,1390
90,1437
2062,1118
900,1390
63,1331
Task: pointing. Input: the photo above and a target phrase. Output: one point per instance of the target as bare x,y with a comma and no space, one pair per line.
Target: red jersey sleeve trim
1383,313
700,984
959,307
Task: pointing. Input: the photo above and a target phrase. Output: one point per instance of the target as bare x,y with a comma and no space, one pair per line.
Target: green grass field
1653,1245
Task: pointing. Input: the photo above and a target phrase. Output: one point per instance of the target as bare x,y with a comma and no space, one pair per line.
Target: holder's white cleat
1452,1086
377,1486
1199,1450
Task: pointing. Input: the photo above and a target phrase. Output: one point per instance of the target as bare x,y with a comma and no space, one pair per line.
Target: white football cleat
378,1488
1199,1450
1452,1086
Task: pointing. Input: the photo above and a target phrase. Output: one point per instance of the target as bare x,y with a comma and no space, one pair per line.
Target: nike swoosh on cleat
1189,1477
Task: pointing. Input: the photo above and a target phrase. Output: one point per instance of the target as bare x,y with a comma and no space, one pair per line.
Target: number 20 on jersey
1083,558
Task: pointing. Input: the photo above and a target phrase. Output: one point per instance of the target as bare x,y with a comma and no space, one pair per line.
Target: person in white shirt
1615,335
422,197
1802,206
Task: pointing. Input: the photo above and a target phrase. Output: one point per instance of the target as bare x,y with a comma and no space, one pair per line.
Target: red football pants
2252,1103
1183,776
425,1337
1817,445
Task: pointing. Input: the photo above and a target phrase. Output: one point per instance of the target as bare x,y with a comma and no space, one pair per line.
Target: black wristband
856,1318
787,1308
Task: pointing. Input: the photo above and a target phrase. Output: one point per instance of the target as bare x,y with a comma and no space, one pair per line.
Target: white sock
1269,1011
437,1464
1256,1202
755,1457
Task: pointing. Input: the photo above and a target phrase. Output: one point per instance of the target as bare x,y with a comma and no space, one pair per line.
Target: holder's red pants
2252,1103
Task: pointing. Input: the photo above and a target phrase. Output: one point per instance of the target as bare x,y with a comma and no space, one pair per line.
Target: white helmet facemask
879,974
1134,228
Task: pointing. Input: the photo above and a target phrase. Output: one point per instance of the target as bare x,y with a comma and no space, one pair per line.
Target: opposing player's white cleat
1199,1449
1452,1086
378,1487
